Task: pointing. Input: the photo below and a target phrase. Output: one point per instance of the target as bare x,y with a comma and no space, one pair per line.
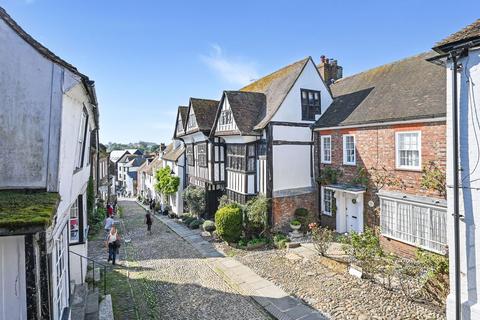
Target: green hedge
228,221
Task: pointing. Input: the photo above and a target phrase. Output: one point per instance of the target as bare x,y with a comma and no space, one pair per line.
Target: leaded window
236,157
202,154
225,117
192,121
251,157
190,157
310,104
420,225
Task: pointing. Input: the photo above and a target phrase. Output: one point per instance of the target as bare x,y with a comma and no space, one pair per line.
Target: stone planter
295,228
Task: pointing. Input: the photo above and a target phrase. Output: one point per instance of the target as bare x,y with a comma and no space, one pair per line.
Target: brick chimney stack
329,70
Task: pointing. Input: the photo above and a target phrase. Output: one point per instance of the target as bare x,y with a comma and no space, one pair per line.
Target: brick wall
375,147
283,208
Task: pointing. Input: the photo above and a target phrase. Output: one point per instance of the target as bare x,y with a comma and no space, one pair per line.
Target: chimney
329,70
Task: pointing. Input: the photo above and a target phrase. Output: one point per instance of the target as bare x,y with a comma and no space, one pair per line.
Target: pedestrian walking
148,221
109,209
113,243
153,206
108,225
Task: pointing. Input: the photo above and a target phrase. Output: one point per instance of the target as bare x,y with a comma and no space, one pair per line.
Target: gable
290,109
226,120
191,120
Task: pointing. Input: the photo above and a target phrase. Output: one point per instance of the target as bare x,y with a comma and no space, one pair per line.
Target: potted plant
295,225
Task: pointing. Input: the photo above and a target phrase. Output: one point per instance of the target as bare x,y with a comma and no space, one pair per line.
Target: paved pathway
168,278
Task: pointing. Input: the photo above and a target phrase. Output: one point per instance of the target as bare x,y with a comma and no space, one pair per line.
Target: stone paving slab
274,300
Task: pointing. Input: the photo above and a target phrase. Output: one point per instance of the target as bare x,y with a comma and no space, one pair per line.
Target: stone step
106,308
91,310
79,301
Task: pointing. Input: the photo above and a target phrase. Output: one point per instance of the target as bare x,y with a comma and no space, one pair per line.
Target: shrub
364,248
303,215
435,263
256,212
256,241
187,220
280,240
195,224
167,183
321,237
209,226
223,201
228,221
295,223
195,199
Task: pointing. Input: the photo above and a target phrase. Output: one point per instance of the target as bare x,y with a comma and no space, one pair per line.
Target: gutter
387,123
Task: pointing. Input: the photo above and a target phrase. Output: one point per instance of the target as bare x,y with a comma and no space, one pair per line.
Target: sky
149,57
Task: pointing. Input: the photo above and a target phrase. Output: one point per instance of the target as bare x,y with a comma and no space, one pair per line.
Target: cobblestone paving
168,278
340,295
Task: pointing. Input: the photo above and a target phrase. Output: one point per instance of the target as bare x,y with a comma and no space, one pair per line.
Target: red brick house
383,128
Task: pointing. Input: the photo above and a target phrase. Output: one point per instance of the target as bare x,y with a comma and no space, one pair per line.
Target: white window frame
80,140
324,209
397,151
345,162
322,149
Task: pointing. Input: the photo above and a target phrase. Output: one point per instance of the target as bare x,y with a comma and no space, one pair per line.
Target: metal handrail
104,266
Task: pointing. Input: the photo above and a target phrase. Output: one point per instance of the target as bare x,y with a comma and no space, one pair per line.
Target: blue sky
148,57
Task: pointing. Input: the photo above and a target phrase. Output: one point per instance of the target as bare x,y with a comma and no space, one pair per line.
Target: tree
195,199
167,184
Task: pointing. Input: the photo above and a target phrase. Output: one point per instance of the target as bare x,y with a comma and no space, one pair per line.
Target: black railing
82,258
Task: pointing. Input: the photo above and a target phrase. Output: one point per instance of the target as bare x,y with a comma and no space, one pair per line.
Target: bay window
414,223
202,154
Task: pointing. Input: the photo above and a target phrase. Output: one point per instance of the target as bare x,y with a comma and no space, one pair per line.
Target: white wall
226,127
291,108
30,95
12,278
469,126
291,167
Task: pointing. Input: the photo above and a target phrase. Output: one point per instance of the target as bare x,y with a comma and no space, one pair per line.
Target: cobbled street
161,276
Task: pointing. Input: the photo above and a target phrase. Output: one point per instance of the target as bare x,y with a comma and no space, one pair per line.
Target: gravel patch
340,295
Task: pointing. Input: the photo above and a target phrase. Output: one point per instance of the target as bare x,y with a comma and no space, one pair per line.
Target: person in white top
113,241
108,225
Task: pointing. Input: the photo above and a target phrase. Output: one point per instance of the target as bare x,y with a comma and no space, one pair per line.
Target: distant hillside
142,145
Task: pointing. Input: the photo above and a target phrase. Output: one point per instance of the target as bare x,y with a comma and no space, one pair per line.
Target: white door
354,212
13,301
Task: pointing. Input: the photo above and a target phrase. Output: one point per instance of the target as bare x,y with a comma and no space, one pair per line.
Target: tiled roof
470,32
407,89
276,86
174,155
248,109
204,110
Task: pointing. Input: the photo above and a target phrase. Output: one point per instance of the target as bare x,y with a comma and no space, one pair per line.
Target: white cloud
235,70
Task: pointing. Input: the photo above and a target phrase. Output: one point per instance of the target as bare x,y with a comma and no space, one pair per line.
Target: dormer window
310,104
192,121
225,117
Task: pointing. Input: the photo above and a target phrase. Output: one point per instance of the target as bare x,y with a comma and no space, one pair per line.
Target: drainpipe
456,209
